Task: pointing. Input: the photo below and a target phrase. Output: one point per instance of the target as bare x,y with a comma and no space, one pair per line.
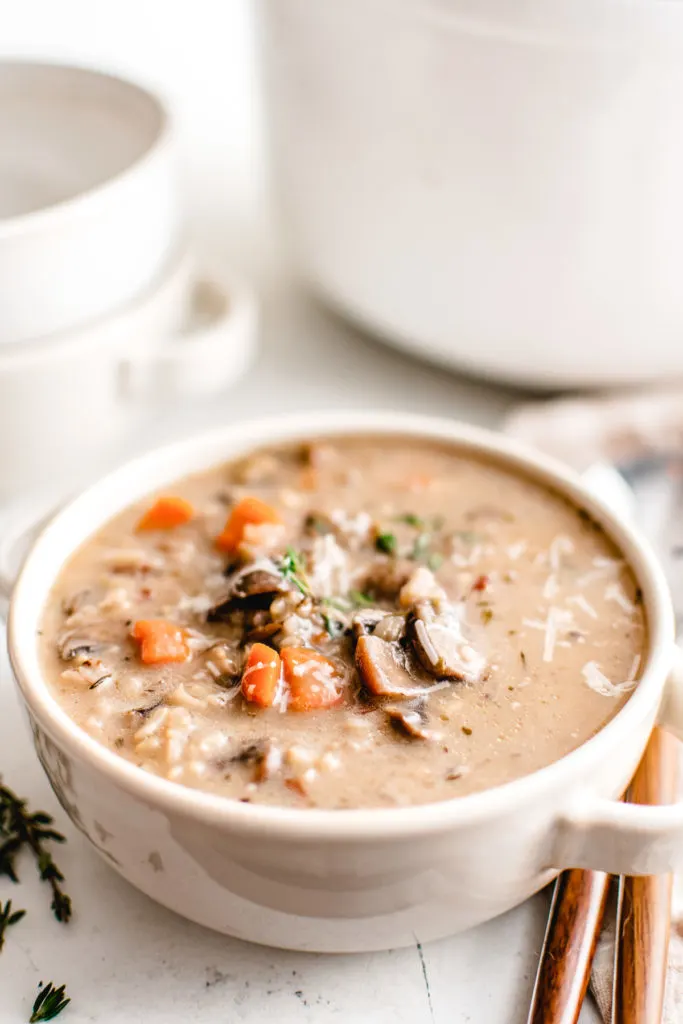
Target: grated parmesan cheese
555,619
330,574
560,546
597,680
580,601
615,592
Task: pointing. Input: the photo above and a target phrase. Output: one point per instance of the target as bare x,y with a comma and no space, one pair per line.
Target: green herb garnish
50,1002
19,828
8,917
332,626
435,561
293,569
386,542
411,520
360,599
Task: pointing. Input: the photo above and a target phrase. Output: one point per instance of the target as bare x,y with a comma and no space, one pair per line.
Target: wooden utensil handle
645,904
574,922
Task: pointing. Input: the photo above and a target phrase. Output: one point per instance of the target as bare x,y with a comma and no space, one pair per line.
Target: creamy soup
360,622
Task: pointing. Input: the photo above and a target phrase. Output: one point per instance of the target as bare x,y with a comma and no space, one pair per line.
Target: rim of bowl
364,823
33,220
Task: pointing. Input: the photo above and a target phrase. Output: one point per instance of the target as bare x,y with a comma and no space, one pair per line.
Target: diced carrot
166,513
160,641
313,680
246,512
261,676
481,583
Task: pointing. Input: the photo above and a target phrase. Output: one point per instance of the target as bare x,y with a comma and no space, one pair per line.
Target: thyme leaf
49,1002
8,917
20,828
293,569
360,599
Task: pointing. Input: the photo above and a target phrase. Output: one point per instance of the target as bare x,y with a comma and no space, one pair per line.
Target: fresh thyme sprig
49,1002
19,828
8,917
293,569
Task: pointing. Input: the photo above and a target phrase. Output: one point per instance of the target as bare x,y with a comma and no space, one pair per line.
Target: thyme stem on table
19,828
49,1002
8,917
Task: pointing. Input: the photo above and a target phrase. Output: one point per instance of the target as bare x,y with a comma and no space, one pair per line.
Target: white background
124,959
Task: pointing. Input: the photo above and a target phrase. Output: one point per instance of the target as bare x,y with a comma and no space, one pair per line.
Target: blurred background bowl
89,211
493,185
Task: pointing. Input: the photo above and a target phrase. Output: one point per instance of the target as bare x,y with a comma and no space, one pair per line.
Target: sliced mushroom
364,623
75,648
390,627
249,589
383,669
438,642
258,589
410,720
262,633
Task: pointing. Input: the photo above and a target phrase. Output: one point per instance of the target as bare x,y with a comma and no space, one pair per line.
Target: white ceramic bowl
89,212
357,879
68,401
494,185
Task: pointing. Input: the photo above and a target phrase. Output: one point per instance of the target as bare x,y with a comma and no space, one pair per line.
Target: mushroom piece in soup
351,622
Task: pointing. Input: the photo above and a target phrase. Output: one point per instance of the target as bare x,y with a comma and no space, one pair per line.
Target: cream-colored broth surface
539,617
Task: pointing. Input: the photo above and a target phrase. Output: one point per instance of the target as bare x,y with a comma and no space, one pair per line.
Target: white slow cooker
495,184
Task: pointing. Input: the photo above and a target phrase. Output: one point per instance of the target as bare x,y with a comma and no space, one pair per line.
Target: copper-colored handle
645,903
576,914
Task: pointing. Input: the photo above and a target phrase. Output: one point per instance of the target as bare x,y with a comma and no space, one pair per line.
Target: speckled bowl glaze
343,881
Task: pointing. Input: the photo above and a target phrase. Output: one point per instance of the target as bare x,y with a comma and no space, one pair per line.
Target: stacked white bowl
97,284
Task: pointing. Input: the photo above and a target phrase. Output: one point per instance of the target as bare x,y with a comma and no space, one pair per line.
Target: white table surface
127,961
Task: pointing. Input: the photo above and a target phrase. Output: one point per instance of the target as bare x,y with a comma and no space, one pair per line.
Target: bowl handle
629,839
212,351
